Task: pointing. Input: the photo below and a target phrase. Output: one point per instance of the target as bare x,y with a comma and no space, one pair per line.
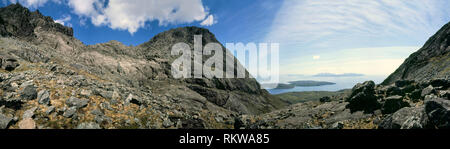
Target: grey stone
407,118
97,112
43,97
4,121
90,125
167,123
76,102
29,113
50,110
70,112
337,125
28,92
427,91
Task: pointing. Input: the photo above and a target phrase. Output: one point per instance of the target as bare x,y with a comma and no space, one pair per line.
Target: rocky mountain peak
18,21
430,62
111,85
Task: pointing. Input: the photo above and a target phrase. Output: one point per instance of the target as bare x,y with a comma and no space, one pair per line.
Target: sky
371,37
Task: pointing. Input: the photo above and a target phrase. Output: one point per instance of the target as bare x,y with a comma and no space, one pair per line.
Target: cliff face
62,83
430,62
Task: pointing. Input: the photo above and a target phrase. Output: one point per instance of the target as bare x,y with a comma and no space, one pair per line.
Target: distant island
303,83
309,83
338,75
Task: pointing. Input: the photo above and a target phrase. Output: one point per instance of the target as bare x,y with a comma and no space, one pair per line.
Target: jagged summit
18,21
430,62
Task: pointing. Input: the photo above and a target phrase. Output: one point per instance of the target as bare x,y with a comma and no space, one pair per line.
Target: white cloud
316,57
64,20
209,21
131,15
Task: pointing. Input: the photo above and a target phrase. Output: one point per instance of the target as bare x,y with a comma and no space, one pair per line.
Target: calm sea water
341,83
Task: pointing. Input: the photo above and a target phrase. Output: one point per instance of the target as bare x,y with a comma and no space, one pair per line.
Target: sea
347,82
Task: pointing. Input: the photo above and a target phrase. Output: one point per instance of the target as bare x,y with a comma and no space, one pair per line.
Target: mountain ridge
429,62
64,83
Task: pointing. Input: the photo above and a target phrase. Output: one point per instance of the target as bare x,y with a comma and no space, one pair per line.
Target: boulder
406,118
415,95
43,97
70,112
29,113
28,92
393,90
427,91
440,83
363,98
438,112
76,102
392,104
403,83
325,99
4,121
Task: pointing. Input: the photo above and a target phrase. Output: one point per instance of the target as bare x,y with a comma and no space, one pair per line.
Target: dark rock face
363,98
430,62
18,21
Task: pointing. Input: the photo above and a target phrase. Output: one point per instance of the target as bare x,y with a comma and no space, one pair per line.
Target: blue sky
370,37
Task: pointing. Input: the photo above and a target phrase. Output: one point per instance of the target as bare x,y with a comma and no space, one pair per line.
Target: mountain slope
62,83
430,62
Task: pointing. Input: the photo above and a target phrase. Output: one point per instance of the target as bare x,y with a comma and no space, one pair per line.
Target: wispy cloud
307,21
312,27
